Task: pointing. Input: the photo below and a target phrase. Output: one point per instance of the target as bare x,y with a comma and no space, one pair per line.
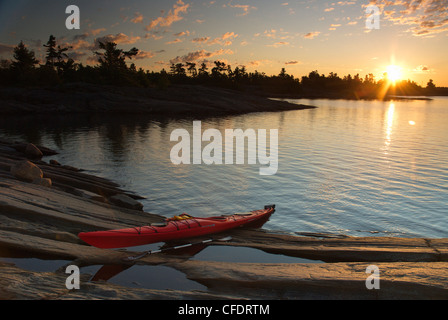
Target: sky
263,35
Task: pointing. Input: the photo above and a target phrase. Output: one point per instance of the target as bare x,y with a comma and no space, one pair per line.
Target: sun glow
393,73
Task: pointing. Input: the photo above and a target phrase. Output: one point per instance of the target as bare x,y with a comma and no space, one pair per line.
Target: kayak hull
174,230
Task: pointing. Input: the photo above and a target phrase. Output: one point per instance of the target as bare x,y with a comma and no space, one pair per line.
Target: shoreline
45,220
176,100
335,96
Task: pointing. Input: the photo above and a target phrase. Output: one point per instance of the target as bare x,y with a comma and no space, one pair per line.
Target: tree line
115,67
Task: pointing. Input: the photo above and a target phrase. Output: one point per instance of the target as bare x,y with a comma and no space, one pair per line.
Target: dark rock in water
125,201
22,147
33,152
26,171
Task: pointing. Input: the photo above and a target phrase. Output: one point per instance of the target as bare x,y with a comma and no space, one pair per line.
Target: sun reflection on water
389,123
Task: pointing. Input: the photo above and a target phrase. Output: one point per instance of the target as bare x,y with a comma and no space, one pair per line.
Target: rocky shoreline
176,100
43,219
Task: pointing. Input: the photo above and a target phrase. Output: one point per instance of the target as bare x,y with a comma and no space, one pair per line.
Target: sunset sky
263,35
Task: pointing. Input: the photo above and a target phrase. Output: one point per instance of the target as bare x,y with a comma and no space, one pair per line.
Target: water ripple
353,167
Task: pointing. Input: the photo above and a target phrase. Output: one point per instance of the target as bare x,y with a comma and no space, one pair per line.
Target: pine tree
191,66
203,70
113,58
25,59
52,54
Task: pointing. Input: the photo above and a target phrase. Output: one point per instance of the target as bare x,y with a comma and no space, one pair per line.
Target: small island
62,85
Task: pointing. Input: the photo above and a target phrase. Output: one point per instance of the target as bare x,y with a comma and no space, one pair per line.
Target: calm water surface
352,167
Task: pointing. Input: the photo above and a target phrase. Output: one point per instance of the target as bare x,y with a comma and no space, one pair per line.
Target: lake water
360,168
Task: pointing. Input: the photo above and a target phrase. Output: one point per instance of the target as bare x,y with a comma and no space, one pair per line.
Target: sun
393,73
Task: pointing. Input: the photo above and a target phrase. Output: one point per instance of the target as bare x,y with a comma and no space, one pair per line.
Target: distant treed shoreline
113,69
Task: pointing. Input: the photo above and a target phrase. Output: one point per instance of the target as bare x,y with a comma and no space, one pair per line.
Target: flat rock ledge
43,222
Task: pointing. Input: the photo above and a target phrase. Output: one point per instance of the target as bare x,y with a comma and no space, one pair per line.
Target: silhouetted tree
52,54
56,57
59,68
431,88
283,73
191,67
113,58
229,72
218,69
178,69
430,85
239,73
369,78
24,59
5,64
203,70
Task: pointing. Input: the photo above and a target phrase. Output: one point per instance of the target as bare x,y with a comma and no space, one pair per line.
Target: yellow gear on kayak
183,216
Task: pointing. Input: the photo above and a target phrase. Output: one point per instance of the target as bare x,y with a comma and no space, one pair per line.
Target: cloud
424,17
81,45
222,40
311,35
422,69
119,38
346,3
279,44
88,33
255,63
201,40
329,9
174,41
153,36
292,62
246,8
76,55
334,26
138,18
144,55
6,48
173,15
199,55
95,32
92,60
229,35
276,34
270,33
183,33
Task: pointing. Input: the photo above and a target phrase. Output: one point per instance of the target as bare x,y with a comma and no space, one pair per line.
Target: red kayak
181,227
